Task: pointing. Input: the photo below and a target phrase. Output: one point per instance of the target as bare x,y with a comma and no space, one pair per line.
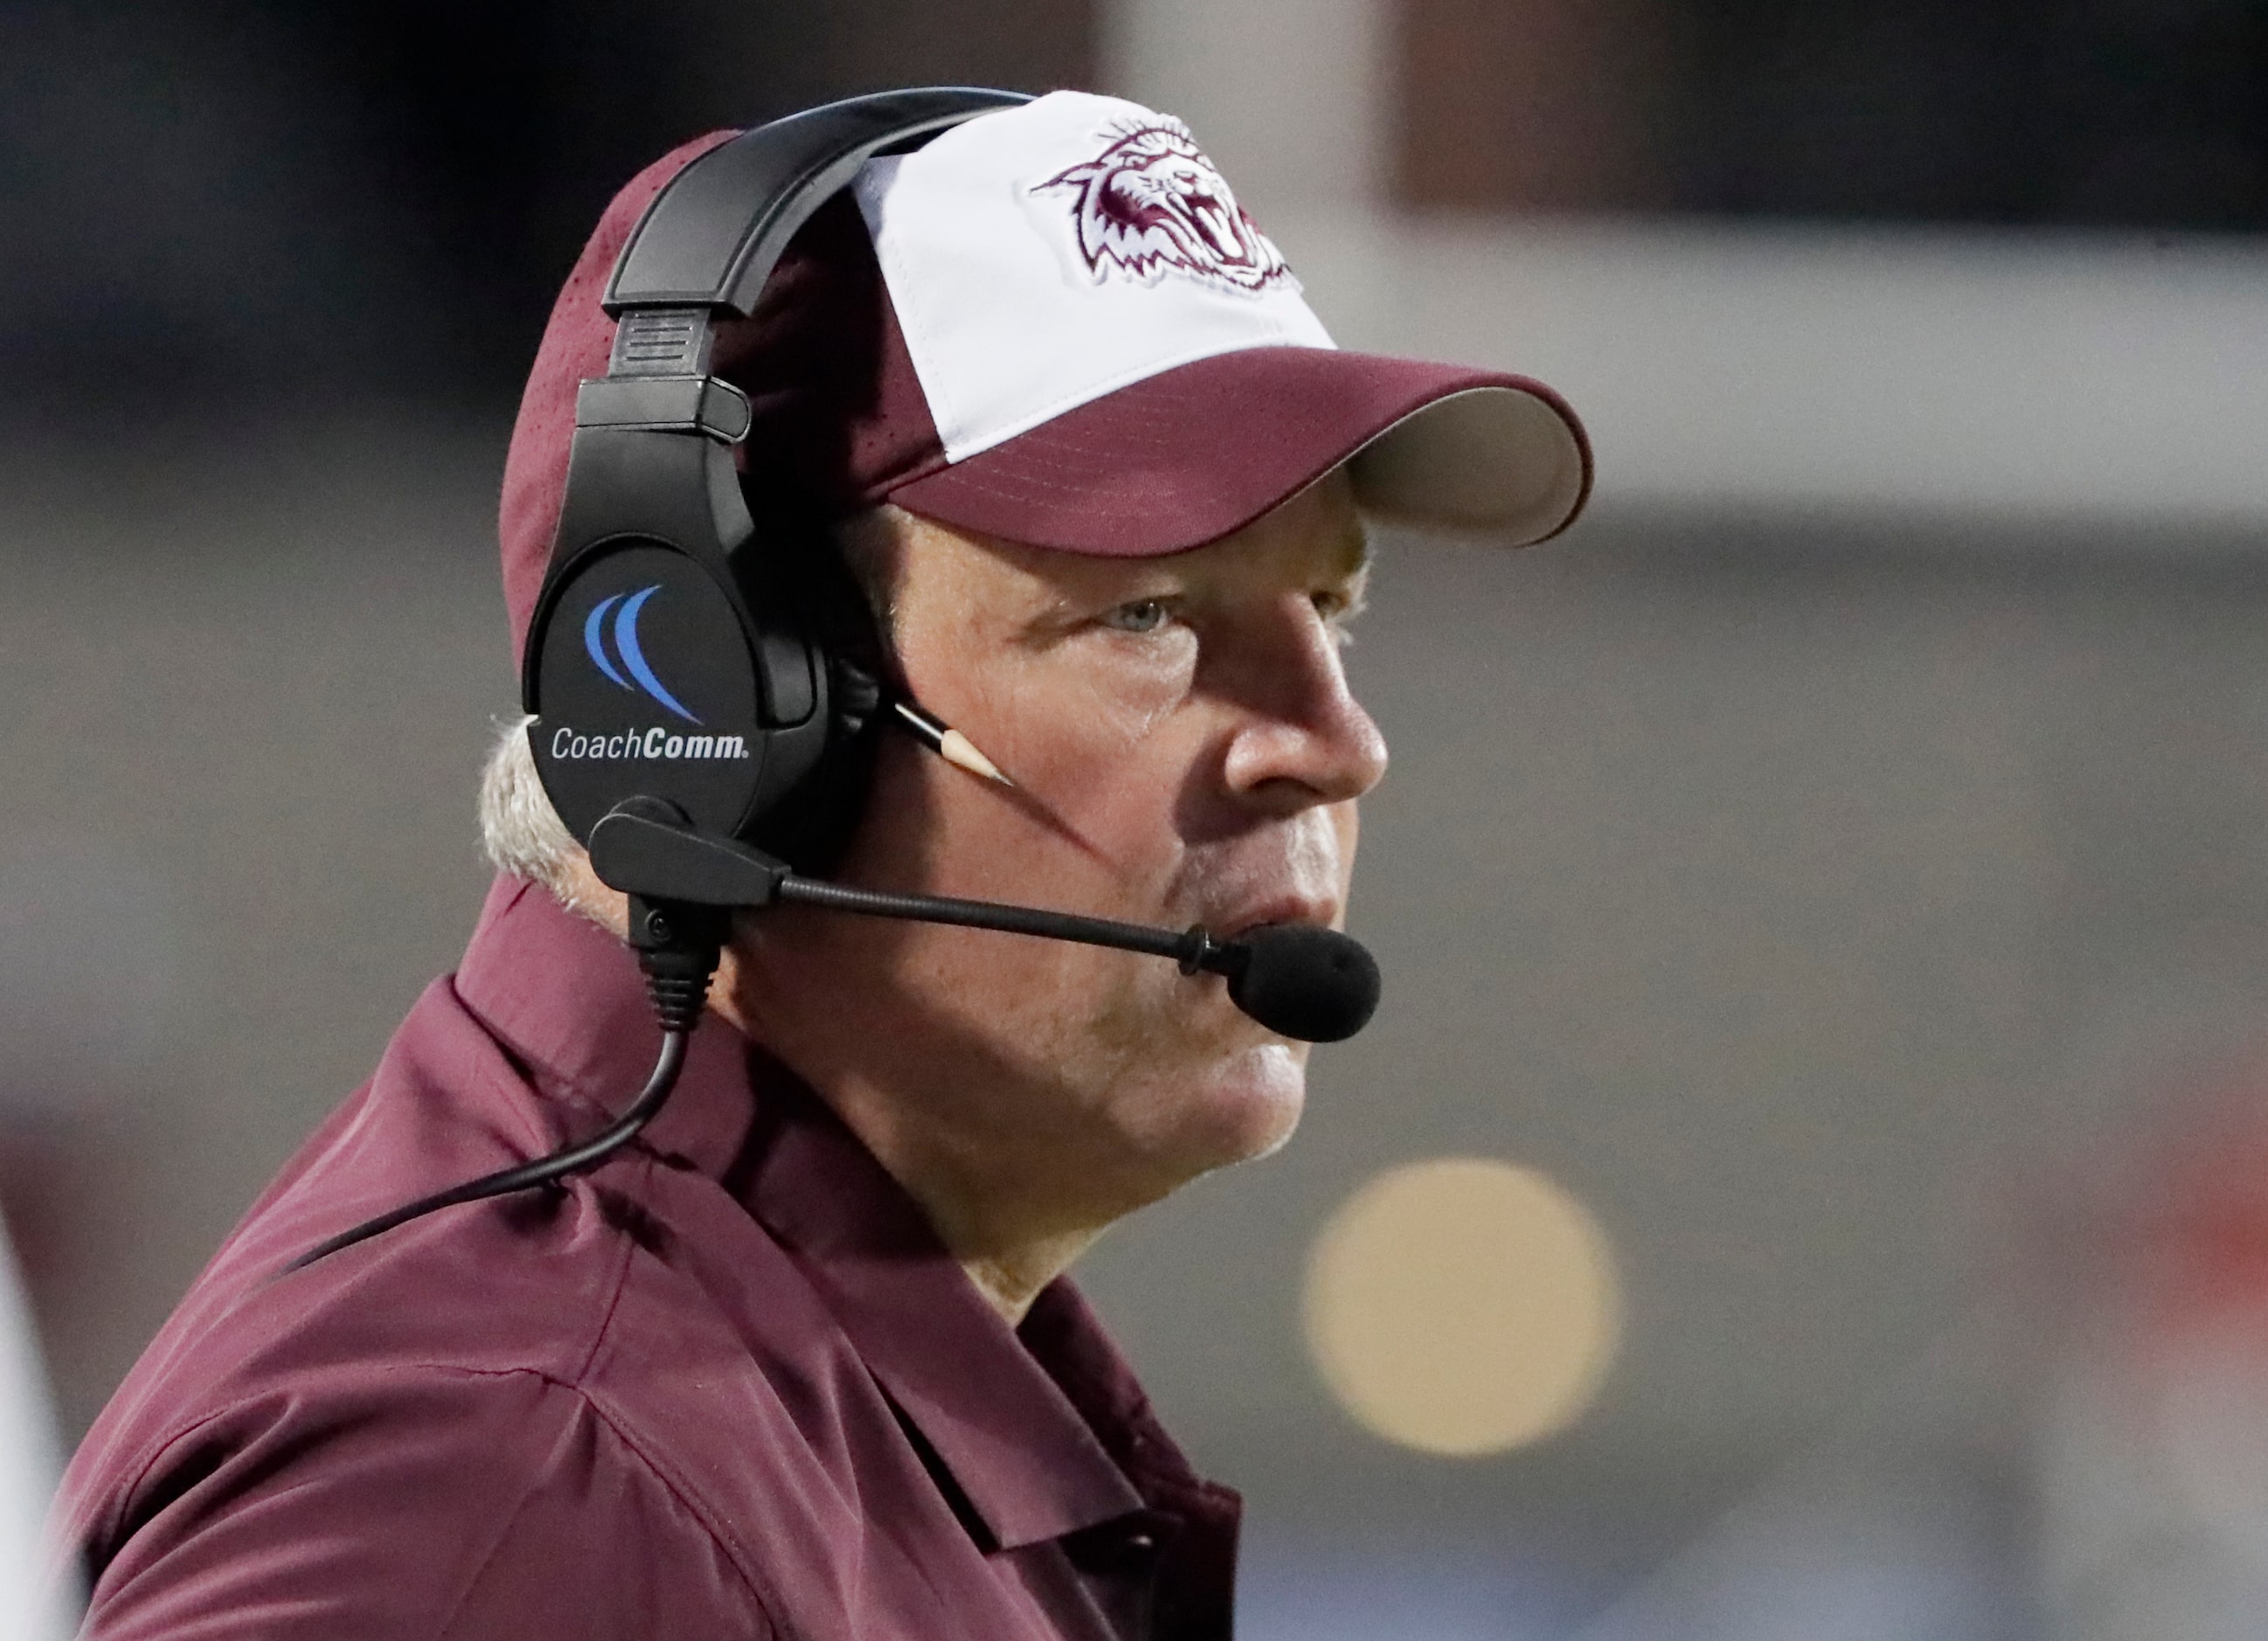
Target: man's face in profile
1185,750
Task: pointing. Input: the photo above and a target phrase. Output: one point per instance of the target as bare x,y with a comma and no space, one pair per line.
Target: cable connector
678,945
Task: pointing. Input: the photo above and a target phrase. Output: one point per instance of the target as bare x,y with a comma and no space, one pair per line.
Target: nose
1300,739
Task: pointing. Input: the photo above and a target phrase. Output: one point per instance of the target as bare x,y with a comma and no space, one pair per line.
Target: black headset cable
677,947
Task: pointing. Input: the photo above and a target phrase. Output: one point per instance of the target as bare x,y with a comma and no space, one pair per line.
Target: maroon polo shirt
727,1385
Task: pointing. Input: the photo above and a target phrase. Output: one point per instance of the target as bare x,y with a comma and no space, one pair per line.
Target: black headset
684,647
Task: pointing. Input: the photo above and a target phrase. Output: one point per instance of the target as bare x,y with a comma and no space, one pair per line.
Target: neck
997,1202
999,1209
1010,1280
1010,1252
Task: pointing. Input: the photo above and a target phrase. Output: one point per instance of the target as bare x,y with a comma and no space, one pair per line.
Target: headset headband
711,237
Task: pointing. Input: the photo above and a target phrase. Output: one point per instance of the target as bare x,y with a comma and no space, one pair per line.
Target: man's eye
1141,615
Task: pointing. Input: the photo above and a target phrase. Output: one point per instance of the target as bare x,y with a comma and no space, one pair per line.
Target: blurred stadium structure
1812,867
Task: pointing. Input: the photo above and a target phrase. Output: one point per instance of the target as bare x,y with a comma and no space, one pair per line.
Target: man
802,1361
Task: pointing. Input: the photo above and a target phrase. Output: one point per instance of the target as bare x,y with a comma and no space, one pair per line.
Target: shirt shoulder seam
613,1299
667,1483
689,1498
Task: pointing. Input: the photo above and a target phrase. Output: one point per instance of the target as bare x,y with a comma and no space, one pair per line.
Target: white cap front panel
1043,256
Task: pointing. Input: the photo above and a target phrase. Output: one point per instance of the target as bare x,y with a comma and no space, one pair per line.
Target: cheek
903,812
1095,799
934,829
1128,818
1091,702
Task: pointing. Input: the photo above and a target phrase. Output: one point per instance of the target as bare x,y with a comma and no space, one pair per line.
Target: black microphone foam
1315,984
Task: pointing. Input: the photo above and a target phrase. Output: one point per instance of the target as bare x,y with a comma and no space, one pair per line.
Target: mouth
1293,873
1287,908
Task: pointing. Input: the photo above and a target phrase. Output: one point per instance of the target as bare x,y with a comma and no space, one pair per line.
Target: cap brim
1188,455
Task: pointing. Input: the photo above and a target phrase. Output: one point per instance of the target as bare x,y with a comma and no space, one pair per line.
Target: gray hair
522,835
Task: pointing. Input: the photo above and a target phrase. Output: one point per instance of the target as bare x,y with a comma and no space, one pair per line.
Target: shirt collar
1036,1450
565,998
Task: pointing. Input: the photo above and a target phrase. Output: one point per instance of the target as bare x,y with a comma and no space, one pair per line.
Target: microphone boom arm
641,849
1194,949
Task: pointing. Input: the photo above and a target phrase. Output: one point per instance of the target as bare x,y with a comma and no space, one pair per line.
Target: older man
801,1361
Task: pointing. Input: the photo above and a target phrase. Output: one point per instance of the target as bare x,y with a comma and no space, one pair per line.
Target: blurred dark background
382,198
1839,865
2126,113
233,198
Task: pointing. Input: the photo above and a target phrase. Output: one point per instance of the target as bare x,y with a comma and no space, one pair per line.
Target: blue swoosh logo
626,640
596,646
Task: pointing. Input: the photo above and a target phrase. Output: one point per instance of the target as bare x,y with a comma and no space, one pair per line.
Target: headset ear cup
640,676
811,827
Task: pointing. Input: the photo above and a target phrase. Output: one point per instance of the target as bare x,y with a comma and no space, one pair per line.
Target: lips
1323,913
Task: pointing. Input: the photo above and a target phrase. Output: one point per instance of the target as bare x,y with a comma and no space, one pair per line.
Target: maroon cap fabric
1185,457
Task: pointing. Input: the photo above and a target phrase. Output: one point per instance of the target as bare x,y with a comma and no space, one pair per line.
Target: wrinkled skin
1185,750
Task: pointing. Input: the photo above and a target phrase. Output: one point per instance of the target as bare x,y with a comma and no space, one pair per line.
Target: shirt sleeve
410,1503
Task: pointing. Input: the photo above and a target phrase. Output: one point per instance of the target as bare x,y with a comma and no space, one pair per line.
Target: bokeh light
1462,1305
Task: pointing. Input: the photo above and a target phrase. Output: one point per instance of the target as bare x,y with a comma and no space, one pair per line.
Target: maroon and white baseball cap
1055,324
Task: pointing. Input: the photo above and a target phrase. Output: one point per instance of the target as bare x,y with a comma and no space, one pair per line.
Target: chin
1237,1108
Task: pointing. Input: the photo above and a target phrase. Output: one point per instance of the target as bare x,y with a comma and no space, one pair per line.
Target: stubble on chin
1246,1108
1201,1085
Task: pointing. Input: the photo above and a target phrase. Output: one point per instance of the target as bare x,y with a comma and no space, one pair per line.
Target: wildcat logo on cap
1152,203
